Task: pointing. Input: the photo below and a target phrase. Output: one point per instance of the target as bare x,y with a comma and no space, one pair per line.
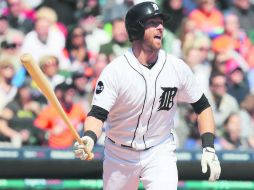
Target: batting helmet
136,16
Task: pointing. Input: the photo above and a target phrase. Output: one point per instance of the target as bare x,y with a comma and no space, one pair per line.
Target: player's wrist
92,135
207,140
209,149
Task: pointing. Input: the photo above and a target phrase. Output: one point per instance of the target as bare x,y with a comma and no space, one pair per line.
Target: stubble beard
152,45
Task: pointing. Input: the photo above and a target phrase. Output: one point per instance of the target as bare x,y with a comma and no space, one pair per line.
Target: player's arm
206,122
92,131
94,121
93,124
206,127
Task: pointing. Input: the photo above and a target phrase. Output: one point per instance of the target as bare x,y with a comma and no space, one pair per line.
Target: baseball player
137,93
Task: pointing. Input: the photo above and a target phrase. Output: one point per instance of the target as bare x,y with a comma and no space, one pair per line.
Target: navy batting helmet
136,16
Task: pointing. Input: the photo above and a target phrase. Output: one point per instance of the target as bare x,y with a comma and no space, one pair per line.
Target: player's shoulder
115,66
177,63
174,60
171,57
118,62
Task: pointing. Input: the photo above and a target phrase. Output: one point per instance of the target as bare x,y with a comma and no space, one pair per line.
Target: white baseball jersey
142,102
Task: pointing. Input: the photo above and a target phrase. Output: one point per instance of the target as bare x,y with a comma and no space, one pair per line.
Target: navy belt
126,146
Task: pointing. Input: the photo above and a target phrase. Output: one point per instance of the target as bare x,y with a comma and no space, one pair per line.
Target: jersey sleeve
190,91
105,93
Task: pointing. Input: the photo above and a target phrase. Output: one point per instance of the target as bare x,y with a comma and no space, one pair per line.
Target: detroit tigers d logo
166,98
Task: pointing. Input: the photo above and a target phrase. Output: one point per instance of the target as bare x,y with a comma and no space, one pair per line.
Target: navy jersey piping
154,98
143,102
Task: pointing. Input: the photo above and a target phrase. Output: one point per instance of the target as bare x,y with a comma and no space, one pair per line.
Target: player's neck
146,58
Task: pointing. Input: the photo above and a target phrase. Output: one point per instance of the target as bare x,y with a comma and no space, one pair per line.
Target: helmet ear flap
136,31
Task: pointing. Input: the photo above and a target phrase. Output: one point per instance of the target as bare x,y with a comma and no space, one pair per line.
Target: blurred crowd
73,41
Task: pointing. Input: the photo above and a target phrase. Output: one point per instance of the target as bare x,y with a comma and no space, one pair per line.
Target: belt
126,146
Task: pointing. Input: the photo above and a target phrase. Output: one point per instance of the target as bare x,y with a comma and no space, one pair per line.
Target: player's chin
157,43
157,46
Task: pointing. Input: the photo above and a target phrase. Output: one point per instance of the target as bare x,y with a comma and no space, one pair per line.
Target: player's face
153,33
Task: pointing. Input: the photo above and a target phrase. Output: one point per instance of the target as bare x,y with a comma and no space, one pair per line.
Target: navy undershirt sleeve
98,113
201,104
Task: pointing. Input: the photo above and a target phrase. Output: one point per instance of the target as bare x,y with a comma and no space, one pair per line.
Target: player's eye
153,23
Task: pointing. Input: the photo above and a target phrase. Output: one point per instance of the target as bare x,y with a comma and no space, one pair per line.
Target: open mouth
158,37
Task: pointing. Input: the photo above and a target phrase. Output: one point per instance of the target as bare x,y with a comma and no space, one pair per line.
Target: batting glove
88,143
209,158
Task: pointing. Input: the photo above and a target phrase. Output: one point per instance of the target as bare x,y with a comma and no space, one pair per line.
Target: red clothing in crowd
59,134
211,23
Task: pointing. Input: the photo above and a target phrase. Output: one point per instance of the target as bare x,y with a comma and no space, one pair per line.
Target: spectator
9,137
18,16
100,63
232,138
203,44
188,26
5,28
221,102
95,34
18,117
218,63
193,140
235,38
245,13
59,135
84,89
171,43
112,10
11,46
88,7
7,72
201,72
50,67
197,56
224,53
247,119
119,42
181,129
207,17
187,33
65,11
46,38
175,10
76,46
237,83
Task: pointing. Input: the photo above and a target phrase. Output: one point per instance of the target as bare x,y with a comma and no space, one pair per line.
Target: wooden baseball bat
42,82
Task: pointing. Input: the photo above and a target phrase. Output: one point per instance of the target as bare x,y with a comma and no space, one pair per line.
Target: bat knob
26,57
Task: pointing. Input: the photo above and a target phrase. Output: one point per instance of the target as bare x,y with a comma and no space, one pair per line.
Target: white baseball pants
124,168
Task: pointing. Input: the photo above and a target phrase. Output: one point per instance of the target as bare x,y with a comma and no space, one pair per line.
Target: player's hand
209,158
80,148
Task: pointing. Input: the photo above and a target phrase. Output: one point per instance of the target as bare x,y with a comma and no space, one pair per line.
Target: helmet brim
163,16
